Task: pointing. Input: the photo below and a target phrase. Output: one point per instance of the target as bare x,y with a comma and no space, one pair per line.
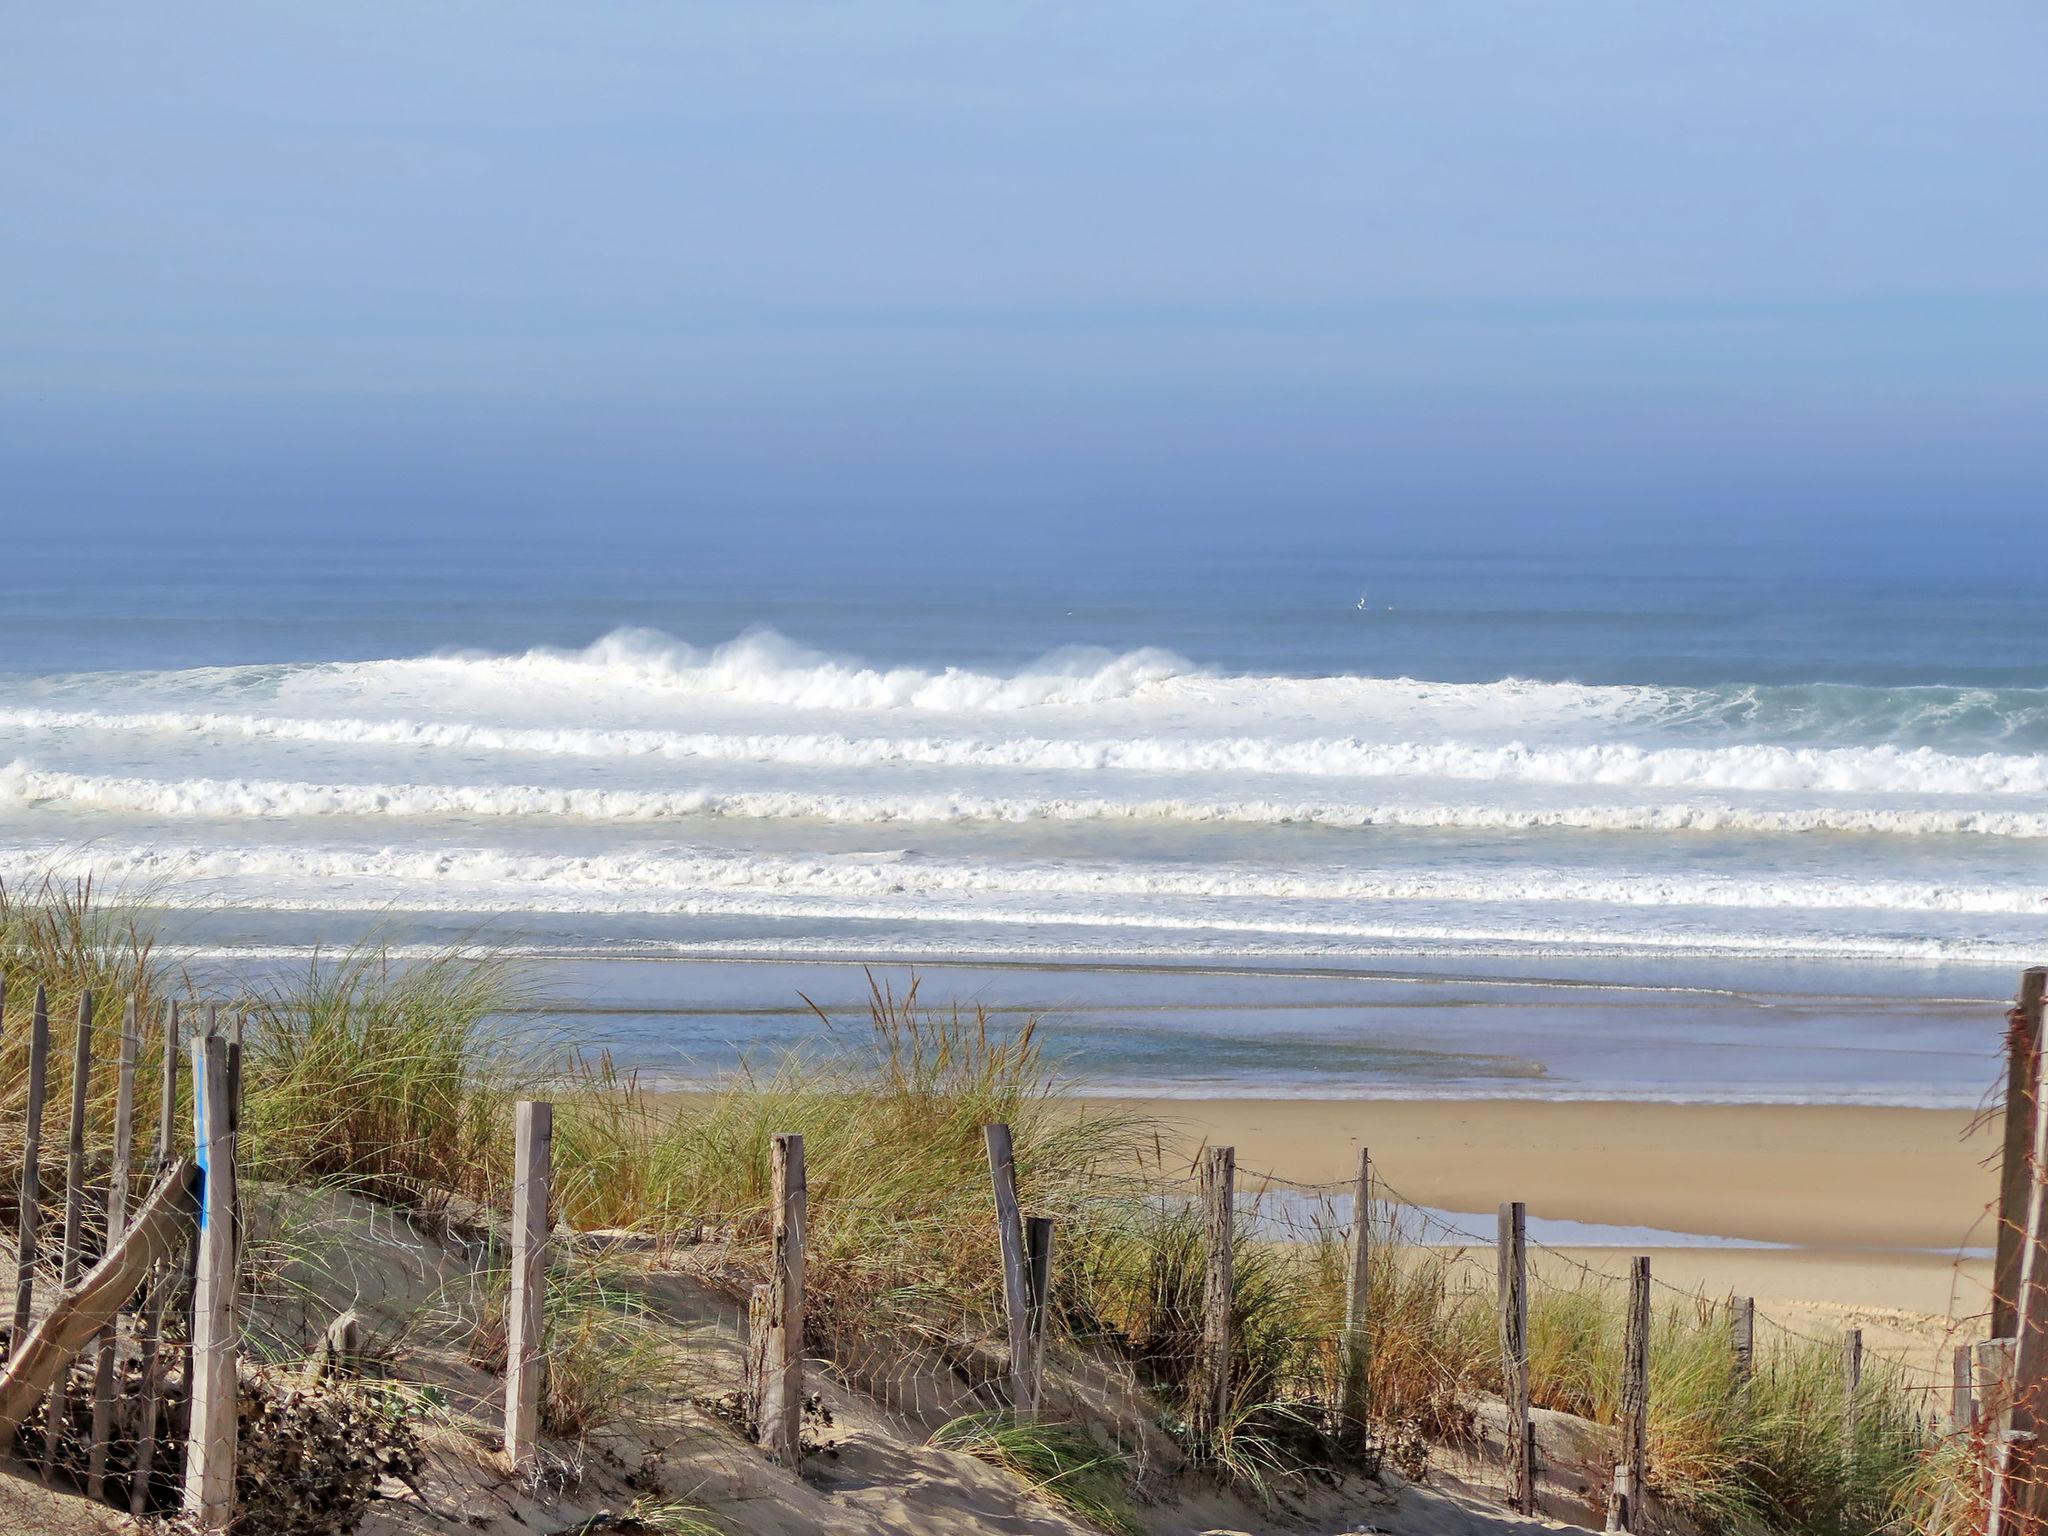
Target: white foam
1206,895
1744,768
270,799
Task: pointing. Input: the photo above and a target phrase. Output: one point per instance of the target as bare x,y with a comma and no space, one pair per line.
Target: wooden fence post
117,1223
2016,1177
1994,1384
1002,1168
526,1316
210,1451
26,1242
782,1374
1852,1393
1038,1272
1963,1408
1211,1400
1354,1403
1514,1351
70,1266
1631,1474
160,1287
2019,1493
1742,1338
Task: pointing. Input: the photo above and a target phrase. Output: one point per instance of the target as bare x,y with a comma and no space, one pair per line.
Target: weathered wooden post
1963,1404
1002,1168
117,1223
27,1240
1210,1407
1354,1397
147,1341
1631,1474
210,1451
1852,1394
526,1316
2016,1169
2019,1494
1742,1338
1994,1384
74,1213
1038,1272
782,1360
1514,1352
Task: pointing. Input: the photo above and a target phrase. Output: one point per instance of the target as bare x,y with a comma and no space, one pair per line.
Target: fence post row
1002,1168
2019,1499
525,1322
780,1425
1210,1407
1514,1349
1354,1405
210,1450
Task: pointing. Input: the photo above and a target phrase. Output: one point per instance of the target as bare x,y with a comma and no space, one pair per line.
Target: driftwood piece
83,1309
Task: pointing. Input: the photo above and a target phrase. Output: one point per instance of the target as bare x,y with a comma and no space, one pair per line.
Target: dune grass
1059,1462
396,1080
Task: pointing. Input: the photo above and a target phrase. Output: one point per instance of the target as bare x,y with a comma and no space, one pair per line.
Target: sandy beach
1812,1176
1875,1204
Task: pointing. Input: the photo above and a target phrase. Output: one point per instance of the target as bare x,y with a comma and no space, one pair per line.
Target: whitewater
797,797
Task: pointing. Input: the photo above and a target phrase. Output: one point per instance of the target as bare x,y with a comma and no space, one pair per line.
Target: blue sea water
1432,812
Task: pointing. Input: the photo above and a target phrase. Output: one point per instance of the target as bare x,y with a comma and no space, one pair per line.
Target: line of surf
910,877
1734,768
270,799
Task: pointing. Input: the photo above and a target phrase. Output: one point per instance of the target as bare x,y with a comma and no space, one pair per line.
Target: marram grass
396,1080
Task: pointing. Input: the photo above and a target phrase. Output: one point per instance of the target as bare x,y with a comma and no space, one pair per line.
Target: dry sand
1876,1203
1817,1176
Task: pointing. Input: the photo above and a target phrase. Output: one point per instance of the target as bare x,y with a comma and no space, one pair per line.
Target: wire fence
906,1307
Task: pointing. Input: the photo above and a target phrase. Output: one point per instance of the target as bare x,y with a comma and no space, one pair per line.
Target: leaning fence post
525,1358
74,1214
1211,1405
1742,1338
1002,1168
117,1223
1514,1351
782,1373
1354,1401
25,1247
1631,1475
153,1311
210,1452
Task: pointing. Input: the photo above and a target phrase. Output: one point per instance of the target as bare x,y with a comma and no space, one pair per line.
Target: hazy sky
1638,260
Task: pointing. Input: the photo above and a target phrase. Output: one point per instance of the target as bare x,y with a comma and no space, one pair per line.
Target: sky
1643,265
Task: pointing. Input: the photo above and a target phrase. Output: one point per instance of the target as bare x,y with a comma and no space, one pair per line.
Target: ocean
1591,819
